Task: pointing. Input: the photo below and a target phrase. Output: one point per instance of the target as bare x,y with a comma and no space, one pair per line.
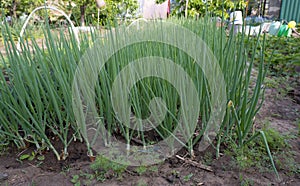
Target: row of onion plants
36,89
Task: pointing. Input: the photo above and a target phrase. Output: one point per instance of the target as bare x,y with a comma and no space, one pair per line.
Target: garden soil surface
282,111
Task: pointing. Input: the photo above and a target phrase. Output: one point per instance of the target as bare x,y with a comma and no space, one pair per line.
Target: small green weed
31,156
141,182
82,178
105,168
3,144
75,180
245,181
188,177
153,168
282,85
141,170
298,124
254,153
208,158
276,141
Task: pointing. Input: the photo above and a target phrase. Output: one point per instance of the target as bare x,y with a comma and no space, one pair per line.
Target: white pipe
137,23
51,8
186,8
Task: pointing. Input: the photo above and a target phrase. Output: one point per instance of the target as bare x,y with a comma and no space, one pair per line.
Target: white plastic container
236,21
236,17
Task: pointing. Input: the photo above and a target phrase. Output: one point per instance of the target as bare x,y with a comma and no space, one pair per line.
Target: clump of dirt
77,153
295,92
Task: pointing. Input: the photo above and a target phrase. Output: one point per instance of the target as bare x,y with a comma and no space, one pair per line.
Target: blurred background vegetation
85,12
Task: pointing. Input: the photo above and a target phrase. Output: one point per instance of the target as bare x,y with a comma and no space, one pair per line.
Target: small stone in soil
3,176
170,178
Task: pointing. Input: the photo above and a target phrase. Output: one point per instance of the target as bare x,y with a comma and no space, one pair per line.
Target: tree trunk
82,15
14,9
82,12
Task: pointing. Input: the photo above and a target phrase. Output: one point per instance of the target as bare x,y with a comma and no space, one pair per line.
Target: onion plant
35,92
245,93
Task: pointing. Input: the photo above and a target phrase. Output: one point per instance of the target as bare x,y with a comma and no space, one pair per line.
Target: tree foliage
114,9
16,8
214,7
79,10
85,11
